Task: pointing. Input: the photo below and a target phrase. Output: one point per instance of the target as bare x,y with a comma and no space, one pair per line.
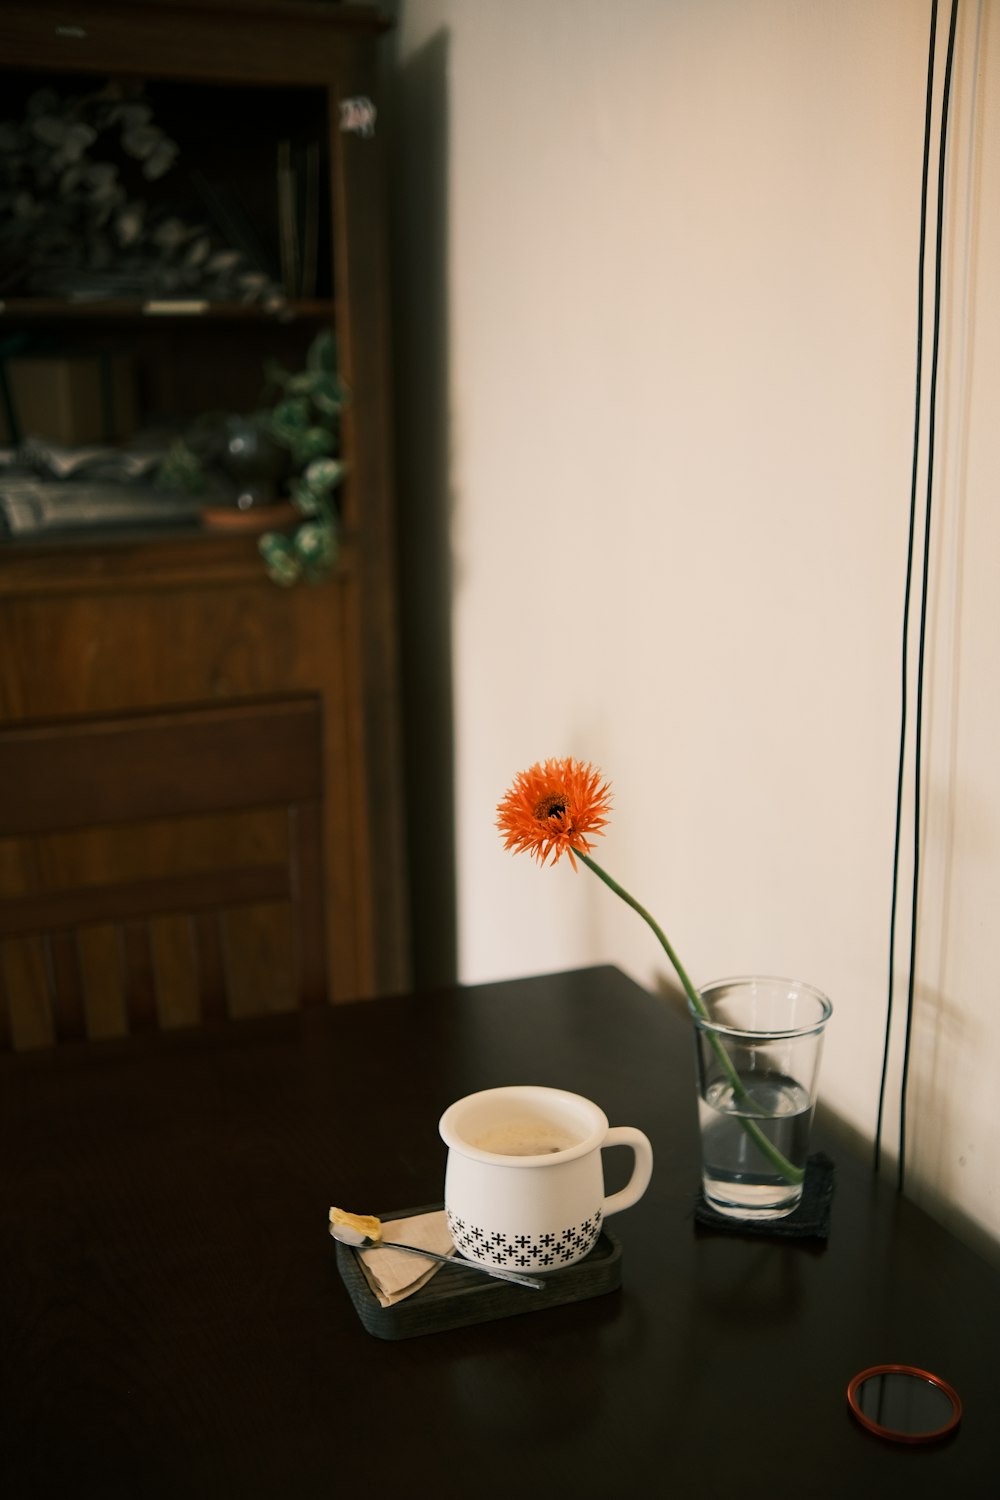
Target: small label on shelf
175,306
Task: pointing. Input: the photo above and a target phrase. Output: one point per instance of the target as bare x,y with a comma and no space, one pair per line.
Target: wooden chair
170,771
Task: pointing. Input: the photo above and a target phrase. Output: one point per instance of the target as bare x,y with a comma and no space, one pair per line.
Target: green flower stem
753,1130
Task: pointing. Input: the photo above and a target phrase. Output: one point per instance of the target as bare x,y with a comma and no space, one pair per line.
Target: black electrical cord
931,432
921,259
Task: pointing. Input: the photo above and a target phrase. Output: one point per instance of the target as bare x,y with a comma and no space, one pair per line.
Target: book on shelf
310,220
288,236
298,196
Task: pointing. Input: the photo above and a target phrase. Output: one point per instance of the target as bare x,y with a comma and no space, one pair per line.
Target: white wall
681,241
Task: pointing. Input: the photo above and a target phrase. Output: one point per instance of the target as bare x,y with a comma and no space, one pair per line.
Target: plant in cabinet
306,421
298,421
81,218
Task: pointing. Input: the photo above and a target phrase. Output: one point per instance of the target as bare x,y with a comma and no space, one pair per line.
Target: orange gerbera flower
552,807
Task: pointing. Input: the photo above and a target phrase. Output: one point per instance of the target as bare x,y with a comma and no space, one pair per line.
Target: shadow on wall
418,198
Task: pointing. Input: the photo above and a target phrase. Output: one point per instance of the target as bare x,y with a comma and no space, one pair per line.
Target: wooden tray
456,1298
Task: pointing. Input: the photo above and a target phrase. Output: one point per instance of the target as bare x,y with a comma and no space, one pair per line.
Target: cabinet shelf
55,309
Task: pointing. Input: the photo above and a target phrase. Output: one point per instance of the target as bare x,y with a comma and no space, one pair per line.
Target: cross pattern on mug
547,1249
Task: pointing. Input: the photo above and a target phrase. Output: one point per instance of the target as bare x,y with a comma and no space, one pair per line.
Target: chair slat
306,840
6,1030
140,977
210,960
241,886
69,1017
192,760
168,769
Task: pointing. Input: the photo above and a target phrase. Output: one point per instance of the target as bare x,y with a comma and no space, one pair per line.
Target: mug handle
642,1171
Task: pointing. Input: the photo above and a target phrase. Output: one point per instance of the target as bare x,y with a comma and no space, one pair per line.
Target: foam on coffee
525,1137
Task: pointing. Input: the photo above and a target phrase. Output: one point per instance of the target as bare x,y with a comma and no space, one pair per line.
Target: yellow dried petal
365,1224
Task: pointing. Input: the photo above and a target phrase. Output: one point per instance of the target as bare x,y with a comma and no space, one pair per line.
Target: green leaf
316,545
291,415
329,395
280,558
181,469
324,474
322,356
305,500
314,442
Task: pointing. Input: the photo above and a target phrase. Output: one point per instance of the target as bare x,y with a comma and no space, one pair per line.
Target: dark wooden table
173,1322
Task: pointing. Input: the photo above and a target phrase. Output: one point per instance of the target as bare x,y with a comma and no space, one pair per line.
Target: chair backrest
172,770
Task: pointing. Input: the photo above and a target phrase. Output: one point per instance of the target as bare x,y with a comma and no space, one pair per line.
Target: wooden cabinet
105,620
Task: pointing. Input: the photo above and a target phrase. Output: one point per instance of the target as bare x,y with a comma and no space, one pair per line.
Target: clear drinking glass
758,1054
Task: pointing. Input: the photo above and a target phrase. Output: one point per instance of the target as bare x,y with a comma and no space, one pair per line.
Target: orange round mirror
904,1404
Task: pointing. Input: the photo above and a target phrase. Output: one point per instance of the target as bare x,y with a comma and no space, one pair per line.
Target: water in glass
738,1179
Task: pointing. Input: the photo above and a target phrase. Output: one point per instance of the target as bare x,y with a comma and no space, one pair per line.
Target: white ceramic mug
524,1185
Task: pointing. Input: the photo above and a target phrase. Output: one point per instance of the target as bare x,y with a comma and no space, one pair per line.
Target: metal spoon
360,1241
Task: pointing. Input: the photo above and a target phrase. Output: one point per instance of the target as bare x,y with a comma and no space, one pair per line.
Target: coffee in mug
525,1137
524,1184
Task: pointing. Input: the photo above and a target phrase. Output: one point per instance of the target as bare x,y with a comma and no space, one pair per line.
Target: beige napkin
392,1274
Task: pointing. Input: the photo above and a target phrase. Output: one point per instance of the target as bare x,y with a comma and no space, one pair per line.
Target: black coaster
811,1220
